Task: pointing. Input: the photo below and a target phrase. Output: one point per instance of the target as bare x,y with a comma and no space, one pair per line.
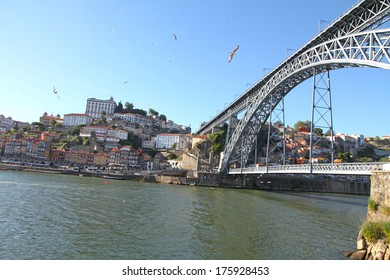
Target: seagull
232,53
174,37
55,92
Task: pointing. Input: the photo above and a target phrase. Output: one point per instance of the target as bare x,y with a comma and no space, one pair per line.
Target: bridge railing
364,168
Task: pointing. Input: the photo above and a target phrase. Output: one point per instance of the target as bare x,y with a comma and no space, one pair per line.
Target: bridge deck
316,168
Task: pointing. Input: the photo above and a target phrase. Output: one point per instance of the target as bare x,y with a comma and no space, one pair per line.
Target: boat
114,177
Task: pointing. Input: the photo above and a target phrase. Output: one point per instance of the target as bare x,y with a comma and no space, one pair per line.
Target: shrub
386,210
372,205
386,230
371,231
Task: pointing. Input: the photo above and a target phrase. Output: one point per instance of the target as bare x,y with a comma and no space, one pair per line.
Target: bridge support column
275,141
321,116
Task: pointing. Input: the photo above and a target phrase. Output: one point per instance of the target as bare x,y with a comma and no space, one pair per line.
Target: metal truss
275,142
365,15
364,168
366,49
321,116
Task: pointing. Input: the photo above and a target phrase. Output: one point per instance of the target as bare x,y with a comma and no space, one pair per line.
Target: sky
128,50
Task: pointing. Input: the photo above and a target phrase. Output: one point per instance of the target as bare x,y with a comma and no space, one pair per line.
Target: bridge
316,168
352,40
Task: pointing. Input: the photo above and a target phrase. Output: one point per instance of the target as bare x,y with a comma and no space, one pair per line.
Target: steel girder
367,14
357,168
365,49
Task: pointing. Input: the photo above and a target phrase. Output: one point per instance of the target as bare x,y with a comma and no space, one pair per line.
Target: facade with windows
96,107
77,119
179,142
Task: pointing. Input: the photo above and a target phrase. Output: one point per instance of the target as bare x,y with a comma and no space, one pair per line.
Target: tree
153,112
163,118
318,131
218,140
119,108
139,112
129,107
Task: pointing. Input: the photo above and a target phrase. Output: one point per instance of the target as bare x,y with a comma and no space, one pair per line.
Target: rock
358,255
379,250
361,244
346,254
387,254
378,256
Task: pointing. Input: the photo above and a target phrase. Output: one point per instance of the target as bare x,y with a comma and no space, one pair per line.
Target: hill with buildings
110,136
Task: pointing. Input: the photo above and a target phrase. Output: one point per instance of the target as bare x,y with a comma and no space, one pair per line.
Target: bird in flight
175,37
232,53
55,92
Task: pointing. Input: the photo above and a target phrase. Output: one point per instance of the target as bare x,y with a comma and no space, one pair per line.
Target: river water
51,216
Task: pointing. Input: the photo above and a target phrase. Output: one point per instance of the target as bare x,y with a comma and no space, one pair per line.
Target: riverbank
113,176
267,182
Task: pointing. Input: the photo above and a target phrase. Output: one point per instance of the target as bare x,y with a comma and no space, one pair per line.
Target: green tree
153,112
318,131
132,140
119,108
218,140
139,112
163,118
129,107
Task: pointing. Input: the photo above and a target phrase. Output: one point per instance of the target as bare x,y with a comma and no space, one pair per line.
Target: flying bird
55,92
175,37
232,53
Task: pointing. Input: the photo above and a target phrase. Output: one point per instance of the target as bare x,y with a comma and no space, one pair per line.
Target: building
27,148
6,123
127,157
47,120
178,142
135,119
77,119
96,107
104,133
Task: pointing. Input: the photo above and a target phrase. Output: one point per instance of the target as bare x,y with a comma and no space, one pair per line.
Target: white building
168,140
77,119
6,123
95,107
134,118
104,133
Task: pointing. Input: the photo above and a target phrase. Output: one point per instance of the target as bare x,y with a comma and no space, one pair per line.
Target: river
52,216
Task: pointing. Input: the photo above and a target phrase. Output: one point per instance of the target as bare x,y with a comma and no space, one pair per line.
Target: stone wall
378,213
285,183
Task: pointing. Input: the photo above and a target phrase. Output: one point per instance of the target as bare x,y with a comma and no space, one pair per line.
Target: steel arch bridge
351,41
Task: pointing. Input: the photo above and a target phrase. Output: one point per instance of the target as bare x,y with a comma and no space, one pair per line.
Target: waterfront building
126,157
27,148
77,119
96,107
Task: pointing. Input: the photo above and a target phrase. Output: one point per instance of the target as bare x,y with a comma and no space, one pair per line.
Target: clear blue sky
126,49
